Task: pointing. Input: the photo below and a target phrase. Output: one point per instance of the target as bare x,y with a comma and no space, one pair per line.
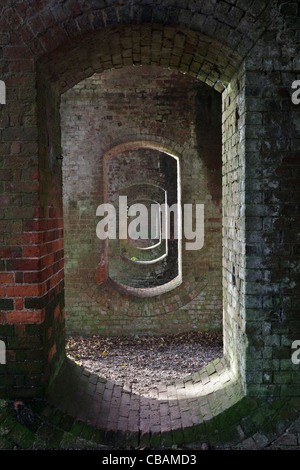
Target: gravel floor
145,361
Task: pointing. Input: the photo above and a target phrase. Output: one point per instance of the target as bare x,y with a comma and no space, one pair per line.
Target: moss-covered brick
87,432
77,427
54,442
6,425
167,440
67,423
5,444
178,436
21,437
189,434
98,436
145,438
43,436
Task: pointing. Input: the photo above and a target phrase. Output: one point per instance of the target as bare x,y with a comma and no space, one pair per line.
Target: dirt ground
143,362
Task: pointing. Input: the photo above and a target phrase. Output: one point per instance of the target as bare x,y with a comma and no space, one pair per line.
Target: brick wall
234,319
69,41
175,111
272,219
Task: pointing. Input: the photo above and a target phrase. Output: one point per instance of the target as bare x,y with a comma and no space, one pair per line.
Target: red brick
5,252
15,52
19,277
25,264
36,25
32,277
11,355
22,66
19,304
23,291
31,225
25,317
30,238
56,312
32,251
52,352
47,261
56,279
48,18
5,175
6,278
20,329
26,34
48,42
22,187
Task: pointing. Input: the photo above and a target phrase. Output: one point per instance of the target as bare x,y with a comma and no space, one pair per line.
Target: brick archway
56,47
165,152
61,70
187,51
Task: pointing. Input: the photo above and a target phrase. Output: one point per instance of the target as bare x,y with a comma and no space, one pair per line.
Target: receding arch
62,70
160,148
56,77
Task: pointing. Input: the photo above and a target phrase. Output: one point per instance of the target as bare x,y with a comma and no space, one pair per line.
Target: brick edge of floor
223,418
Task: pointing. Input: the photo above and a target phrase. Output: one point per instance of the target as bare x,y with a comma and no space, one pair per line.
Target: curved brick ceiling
161,32
169,47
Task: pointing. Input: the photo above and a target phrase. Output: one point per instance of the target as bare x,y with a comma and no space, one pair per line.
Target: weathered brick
24,317
6,278
6,304
160,114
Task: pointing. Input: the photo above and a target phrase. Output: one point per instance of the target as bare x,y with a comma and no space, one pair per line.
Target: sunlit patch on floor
143,362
